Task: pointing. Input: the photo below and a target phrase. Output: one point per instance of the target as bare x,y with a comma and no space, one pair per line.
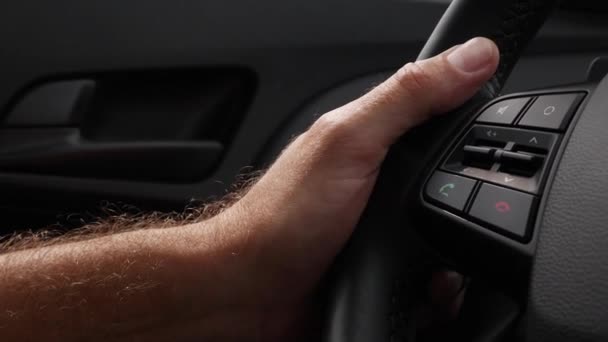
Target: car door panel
302,58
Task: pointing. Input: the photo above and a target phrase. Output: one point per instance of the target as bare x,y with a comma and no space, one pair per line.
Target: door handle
63,152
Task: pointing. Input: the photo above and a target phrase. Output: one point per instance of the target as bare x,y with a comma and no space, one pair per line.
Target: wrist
233,279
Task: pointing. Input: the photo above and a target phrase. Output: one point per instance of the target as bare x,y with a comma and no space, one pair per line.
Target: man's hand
306,206
249,272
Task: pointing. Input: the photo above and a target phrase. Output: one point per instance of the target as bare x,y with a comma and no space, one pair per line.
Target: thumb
307,204
420,89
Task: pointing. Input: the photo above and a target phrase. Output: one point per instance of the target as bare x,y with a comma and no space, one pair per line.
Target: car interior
155,105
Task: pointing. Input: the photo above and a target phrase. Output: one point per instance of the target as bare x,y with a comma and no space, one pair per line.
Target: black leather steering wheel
550,278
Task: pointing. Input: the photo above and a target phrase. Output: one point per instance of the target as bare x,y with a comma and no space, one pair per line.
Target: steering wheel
510,191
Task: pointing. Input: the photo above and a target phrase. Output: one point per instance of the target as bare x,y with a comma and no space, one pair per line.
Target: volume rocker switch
478,156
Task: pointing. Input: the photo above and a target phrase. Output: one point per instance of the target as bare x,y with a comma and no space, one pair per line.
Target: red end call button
504,209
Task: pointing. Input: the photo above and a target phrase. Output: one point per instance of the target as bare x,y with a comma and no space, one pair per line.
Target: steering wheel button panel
450,190
504,209
504,112
512,157
528,184
500,136
552,111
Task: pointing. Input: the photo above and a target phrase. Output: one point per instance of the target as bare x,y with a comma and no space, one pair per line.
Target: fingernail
472,56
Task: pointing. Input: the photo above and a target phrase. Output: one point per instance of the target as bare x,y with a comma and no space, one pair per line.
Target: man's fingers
421,89
446,291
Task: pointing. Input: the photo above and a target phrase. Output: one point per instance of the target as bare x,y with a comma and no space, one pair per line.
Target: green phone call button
450,190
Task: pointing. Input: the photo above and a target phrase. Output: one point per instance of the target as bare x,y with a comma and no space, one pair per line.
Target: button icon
509,179
502,110
449,190
502,207
549,110
505,111
534,141
445,189
490,133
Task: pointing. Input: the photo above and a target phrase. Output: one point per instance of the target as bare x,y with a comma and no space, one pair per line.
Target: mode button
552,111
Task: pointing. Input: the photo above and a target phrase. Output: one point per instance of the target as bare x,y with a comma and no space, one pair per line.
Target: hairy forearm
250,271
154,283
244,274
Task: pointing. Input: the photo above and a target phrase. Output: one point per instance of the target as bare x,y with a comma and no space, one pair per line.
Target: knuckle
414,78
329,126
335,136
330,130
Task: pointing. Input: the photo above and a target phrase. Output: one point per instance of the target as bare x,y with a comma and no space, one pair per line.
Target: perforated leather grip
510,23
